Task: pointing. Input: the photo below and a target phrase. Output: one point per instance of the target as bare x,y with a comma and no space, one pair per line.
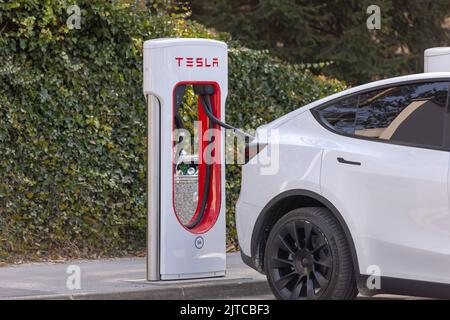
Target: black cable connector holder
203,89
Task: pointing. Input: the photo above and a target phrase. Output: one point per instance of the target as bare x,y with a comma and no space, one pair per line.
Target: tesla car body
352,194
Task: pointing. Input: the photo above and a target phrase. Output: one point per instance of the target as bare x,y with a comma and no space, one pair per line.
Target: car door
385,167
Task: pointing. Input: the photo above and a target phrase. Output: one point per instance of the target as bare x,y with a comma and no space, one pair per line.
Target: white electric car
356,194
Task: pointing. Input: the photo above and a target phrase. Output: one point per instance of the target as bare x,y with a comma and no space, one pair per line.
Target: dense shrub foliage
73,122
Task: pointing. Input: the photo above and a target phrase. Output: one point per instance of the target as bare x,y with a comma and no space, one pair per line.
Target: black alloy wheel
303,259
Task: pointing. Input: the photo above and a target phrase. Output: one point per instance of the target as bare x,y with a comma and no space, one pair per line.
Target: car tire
307,257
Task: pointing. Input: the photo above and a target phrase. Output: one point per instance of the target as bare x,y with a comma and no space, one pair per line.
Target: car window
413,114
340,115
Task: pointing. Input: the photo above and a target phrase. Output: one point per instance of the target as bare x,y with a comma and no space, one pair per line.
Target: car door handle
342,160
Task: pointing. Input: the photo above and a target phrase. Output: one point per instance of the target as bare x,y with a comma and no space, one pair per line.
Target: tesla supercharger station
186,186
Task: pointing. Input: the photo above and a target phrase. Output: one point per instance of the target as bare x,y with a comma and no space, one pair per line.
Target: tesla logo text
191,62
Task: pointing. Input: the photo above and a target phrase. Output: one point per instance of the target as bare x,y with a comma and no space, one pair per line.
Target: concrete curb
193,291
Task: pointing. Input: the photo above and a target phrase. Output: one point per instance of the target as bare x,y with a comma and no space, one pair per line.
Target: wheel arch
278,207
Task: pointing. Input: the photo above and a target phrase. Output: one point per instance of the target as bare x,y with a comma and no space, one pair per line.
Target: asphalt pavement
123,279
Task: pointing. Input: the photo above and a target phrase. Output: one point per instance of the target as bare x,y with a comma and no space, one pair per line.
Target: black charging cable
207,184
205,92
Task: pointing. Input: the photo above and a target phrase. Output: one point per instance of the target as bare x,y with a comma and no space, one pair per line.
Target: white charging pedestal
175,251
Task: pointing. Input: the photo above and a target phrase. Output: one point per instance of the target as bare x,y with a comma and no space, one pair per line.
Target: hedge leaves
73,122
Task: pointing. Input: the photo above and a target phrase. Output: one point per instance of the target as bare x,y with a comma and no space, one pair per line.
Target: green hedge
73,122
